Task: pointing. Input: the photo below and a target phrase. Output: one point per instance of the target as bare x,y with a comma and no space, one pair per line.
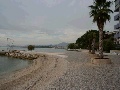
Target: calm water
8,64
50,50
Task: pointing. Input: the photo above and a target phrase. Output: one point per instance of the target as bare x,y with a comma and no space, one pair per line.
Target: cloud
11,15
70,34
72,3
46,21
51,3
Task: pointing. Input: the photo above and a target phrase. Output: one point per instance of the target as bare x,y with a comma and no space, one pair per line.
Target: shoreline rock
40,72
22,55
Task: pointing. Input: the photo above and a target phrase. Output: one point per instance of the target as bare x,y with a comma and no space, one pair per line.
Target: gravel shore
71,72
81,75
43,71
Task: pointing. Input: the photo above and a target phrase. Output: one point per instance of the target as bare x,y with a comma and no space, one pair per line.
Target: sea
9,64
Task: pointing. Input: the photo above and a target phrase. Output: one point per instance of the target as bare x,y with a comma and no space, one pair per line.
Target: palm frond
100,10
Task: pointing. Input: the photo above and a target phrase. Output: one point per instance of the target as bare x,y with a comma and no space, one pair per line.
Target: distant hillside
63,44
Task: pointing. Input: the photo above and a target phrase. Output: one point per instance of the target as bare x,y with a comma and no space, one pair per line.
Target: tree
31,47
72,46
93,43
85,40
90,37
108,45
100,11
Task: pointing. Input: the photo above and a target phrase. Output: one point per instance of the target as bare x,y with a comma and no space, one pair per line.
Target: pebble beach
82,75
66,71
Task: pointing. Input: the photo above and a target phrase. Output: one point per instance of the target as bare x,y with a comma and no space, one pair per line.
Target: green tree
89,41
100,11
108,45
72,46
31,47
93,43
85,40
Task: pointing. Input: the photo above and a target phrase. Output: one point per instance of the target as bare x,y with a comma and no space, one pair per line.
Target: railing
117,5
117,35
117,26
117,2
116,17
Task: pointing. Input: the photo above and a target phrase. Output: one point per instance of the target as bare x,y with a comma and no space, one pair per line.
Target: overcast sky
43,22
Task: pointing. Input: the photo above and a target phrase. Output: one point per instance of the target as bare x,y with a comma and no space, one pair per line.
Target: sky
43,22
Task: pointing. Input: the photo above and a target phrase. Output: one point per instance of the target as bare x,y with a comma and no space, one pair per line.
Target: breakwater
22,55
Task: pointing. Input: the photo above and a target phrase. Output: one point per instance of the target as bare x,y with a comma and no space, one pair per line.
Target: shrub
31,47
73,46
108,45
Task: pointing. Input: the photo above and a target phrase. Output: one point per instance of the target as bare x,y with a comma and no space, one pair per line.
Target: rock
22,55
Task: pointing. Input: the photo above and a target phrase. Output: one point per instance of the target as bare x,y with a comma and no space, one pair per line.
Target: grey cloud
46,18
11,15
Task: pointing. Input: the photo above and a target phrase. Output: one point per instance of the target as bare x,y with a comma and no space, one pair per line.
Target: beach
82,75
65,71
43,70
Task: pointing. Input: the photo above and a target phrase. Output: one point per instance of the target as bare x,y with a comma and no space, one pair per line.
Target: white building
117,26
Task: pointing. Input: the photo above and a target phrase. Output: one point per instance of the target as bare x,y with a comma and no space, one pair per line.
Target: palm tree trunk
93,46
89,46
101,43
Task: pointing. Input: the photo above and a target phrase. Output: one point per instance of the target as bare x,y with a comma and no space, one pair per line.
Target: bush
73,46
31,47
108,45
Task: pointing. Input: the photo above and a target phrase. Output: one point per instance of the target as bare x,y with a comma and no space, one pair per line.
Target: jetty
19,54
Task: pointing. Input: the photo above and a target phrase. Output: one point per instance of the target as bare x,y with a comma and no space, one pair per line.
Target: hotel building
117,19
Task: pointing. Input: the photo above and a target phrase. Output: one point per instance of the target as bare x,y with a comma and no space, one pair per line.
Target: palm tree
100,11
89,41
93,43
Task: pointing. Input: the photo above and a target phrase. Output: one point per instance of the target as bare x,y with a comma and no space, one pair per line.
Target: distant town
62,45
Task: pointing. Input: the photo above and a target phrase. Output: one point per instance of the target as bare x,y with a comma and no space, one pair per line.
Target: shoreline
46,61
55,71
26,53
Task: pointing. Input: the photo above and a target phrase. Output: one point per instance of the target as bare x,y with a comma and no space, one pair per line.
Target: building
117,19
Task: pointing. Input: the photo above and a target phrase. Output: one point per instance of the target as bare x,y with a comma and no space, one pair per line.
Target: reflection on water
51,50
8,64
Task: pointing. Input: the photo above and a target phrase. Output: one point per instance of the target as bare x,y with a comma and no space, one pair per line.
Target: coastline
45,66
69,71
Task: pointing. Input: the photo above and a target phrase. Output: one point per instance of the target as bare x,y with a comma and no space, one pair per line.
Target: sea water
49,50
8,64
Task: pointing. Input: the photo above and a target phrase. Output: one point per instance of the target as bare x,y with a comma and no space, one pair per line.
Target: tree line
90,41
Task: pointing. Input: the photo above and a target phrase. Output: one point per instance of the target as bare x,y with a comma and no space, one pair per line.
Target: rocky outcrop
22,55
